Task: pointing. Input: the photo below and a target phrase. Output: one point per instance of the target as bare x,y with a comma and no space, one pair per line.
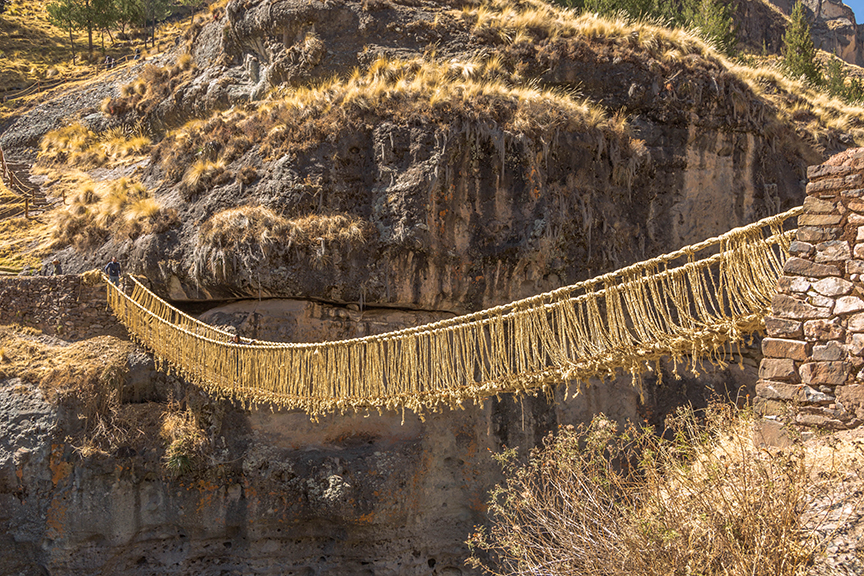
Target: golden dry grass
260,225
86,377
707,498
75,145
184,438
23,242
121,207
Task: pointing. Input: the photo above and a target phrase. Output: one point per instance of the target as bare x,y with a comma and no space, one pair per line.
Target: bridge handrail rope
621,320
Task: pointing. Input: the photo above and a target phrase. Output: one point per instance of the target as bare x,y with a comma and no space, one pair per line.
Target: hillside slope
432,155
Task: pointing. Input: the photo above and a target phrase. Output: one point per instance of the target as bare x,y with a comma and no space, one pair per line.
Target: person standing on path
58,269
113,271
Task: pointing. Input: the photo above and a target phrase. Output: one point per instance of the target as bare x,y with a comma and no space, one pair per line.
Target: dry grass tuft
122,206
79,146
705,500
184,437
240,237
85,377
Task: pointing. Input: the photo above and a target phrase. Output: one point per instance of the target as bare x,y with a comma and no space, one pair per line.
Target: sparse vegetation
705,498
75,145
85,377
184,438
121,206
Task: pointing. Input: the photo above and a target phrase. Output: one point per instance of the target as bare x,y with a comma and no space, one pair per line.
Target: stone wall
63,306
813,370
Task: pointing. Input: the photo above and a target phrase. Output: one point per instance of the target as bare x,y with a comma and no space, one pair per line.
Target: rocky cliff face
460,206
273,493
833,27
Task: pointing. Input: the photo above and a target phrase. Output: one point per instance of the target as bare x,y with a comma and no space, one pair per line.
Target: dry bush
154,84
261,226
240,237
705,500
185,439
85,377
122,206
77,145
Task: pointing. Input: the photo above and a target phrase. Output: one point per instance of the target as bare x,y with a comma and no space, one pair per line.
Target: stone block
854,267
782,348
819,219
854,193
820,421
816,299
814,205
768,407
851,397
825,185
793,285
778,369
783,328
855,205
855,219
771,390
833,286
855,345
798,248
855,323
785,306
848,304
859,251
859,237
824,170
829,351
828,373
832,251
801,267
817,234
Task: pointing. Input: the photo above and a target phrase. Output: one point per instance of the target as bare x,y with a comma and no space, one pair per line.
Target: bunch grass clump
703,498
123,206
86,377
184,438
422,90
76,145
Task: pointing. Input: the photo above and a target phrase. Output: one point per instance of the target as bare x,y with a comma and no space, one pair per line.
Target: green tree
129,13
713,19
155,11
61,13
194,5
799,52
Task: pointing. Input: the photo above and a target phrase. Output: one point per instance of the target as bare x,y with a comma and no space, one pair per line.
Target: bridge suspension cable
688,304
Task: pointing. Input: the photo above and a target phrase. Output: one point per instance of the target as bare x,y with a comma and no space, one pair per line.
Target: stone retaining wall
61,306
813,370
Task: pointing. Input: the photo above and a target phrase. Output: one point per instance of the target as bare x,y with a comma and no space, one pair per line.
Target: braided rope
622,320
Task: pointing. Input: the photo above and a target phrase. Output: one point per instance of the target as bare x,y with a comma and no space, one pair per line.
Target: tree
798,50
61,13
193,4
2,6
155,11
713,19
129,13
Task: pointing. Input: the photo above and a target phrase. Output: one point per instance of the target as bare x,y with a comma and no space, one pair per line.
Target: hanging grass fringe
677,305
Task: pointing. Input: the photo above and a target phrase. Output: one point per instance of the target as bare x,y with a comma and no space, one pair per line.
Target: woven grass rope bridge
688,305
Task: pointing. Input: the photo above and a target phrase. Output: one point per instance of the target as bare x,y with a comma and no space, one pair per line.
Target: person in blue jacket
113,271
